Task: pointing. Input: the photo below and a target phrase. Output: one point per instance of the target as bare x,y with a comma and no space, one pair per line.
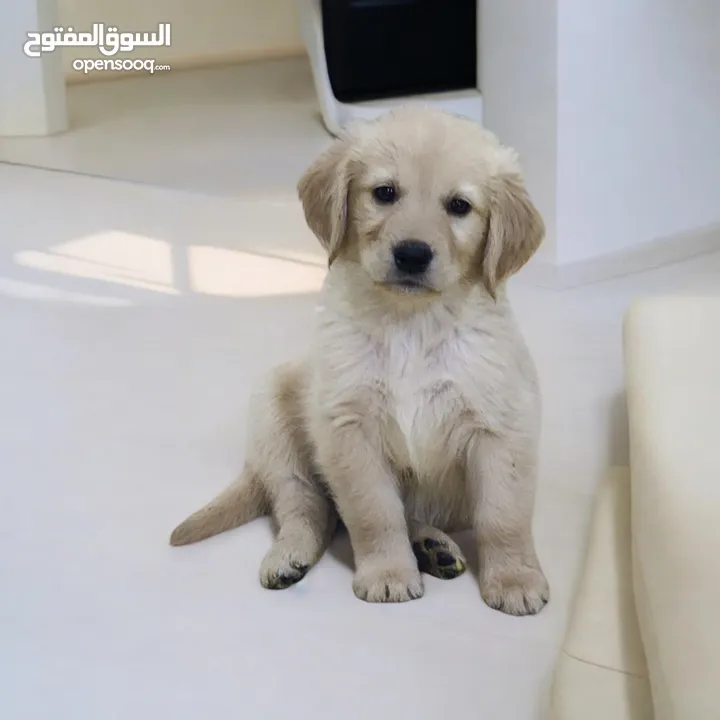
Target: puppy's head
422,201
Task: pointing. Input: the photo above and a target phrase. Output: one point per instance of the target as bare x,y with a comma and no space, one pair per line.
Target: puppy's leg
501,480
437,554
306,522
368,497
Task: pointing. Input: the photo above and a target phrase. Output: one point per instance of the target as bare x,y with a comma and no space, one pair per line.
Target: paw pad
437,559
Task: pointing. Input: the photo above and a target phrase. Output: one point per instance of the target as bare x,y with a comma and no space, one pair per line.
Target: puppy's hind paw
439,556
283,567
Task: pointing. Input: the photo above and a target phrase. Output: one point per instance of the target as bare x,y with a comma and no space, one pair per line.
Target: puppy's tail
242,502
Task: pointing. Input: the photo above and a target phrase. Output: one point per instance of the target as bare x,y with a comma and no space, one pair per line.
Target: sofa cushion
672,356
601,673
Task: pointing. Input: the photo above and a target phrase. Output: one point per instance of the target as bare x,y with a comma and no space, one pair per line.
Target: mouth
407,285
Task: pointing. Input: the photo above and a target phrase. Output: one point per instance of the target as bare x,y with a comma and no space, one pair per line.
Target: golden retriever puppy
418,412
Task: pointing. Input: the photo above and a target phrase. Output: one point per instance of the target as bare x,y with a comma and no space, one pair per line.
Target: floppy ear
323,191
515,231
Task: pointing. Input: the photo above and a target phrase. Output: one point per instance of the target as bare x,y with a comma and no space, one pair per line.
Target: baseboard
195,62
648,256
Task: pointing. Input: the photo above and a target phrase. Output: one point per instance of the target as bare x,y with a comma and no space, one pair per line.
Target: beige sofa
644,638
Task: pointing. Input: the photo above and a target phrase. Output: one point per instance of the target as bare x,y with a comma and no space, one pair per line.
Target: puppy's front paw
388,585
516,591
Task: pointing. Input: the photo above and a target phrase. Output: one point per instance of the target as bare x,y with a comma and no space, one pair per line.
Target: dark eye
458,206
385,194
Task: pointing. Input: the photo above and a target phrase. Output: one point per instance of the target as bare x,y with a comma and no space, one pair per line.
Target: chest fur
422,400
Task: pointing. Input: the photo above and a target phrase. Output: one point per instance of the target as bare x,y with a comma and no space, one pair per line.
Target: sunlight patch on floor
233,273
112,256
34,291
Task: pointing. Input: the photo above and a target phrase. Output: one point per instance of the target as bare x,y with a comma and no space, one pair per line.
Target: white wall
615,109
638,122
32,90
203,31
518,83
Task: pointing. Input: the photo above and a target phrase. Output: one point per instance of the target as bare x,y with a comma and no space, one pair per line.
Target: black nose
412,256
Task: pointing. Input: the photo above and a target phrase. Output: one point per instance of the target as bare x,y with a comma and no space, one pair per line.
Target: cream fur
418,410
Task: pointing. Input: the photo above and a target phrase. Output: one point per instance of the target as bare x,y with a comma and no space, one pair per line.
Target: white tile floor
226,131
135,320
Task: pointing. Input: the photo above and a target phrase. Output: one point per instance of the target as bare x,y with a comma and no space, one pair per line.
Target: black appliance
378,49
